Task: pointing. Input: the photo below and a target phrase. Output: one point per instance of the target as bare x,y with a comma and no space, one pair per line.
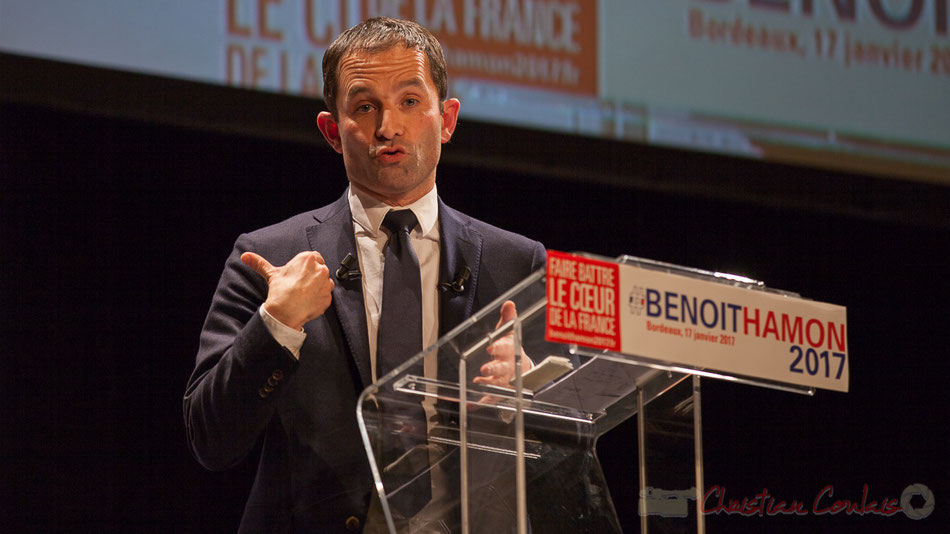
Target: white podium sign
694,322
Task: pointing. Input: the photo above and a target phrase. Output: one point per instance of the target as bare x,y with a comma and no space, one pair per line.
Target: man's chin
395,190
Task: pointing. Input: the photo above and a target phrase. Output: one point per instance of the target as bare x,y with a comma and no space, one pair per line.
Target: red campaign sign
547,44
583,304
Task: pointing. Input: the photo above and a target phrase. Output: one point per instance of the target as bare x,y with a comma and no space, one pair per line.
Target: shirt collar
368,211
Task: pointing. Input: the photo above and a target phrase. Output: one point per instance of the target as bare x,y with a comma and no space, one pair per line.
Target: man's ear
330,130
450,115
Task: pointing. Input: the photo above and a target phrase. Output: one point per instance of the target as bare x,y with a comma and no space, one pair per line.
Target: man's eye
365,108
411,102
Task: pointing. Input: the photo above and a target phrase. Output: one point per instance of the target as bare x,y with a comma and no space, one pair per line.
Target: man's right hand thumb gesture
299,291
259,264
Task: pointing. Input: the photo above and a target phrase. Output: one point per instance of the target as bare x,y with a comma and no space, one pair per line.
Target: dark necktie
400,338
400,321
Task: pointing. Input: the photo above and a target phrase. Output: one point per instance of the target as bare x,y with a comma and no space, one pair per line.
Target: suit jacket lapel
332,236
460,246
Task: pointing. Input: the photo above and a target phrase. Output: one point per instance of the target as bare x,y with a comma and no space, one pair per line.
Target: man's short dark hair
377,35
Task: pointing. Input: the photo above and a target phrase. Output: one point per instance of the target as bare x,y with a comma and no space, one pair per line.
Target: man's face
390,128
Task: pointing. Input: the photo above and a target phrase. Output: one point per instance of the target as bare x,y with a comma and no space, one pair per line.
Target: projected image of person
288,346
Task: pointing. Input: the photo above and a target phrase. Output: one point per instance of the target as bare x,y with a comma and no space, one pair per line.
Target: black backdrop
114,231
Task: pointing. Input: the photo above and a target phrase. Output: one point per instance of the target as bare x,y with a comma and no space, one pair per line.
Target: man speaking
288,345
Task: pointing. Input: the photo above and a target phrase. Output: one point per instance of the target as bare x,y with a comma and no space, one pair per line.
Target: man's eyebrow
357,90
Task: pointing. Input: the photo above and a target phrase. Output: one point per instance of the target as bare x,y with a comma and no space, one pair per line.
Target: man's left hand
501,369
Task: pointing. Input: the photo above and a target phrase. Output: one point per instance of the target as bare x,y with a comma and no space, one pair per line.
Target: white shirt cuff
289,338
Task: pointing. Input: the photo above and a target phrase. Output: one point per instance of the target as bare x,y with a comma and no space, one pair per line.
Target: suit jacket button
352,523
278,374
263,394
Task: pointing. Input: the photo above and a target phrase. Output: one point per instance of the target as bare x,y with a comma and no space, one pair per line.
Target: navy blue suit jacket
313,474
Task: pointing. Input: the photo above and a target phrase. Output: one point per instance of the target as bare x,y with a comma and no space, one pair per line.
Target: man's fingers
258,264
305,257
489,369
508,313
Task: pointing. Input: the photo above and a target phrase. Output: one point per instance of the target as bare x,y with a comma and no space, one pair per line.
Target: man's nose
390,124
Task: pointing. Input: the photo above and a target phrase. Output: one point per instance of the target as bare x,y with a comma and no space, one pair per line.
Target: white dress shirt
368,214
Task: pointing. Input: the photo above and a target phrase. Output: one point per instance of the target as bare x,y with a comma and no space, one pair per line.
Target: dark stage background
115,227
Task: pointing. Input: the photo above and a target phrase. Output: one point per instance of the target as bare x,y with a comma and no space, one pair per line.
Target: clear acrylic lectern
452,455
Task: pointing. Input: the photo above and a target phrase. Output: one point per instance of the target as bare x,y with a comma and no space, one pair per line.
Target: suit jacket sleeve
233,390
